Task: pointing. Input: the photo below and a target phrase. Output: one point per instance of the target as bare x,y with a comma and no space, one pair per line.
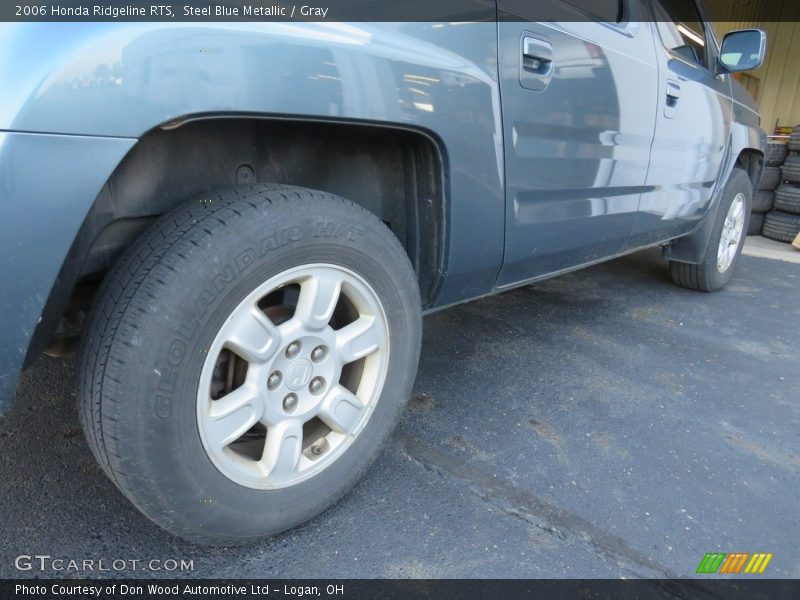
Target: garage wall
776,85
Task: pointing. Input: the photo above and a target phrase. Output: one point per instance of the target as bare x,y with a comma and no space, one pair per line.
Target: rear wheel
725,243
247,359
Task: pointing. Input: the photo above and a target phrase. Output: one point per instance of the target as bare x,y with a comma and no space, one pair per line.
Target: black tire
770,178
775,154
794,140
790,171
755,223
159,308
762,201
787,198
705,276
781,226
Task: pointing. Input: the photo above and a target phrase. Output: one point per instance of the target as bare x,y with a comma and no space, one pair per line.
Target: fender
101,86
48,185
747,140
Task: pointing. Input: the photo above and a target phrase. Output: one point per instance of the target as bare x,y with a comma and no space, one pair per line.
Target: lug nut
292,349
318,353
290,402
274,380
316,385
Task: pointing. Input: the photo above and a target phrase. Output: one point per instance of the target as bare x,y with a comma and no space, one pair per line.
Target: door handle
537,54
673,95
673,91
537,63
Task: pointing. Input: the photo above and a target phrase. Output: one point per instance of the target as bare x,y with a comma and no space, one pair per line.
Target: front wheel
247,359
726,241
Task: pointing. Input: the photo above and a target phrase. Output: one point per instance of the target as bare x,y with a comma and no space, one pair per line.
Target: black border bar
408,589
362,10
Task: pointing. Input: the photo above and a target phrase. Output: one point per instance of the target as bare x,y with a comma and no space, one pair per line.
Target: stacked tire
783,222
764,197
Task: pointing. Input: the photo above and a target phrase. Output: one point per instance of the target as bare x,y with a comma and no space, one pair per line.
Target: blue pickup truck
245,222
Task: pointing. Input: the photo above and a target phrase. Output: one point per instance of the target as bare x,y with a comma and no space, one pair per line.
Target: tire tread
770,178
787,198
120,301
781,226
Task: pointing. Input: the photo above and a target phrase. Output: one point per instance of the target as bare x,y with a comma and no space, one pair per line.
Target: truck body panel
544,169
577,150
48,185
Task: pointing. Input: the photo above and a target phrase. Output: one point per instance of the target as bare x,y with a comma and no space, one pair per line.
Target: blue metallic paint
110,79
72,109
577,151
124,79
47,185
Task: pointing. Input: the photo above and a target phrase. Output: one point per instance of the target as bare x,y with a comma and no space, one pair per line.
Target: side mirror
743,50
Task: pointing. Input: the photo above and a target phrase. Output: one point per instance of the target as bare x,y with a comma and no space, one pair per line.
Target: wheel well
396,173
691,248
752,161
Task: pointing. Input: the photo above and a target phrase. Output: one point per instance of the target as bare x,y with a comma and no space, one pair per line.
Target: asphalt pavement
601,424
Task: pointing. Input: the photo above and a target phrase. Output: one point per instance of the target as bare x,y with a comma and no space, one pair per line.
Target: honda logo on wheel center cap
298,374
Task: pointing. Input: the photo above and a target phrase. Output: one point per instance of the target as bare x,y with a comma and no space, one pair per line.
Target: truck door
579,103
692,124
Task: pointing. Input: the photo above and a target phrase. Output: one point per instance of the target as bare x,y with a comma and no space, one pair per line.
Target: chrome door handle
673,91
537,63
673,95
537,54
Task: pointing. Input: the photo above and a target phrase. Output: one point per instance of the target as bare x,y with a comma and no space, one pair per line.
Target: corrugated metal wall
776,85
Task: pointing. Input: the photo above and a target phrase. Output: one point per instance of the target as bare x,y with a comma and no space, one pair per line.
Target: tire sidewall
739,182
200,284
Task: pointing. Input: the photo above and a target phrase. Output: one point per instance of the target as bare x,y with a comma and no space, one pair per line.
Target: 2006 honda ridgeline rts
270,208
